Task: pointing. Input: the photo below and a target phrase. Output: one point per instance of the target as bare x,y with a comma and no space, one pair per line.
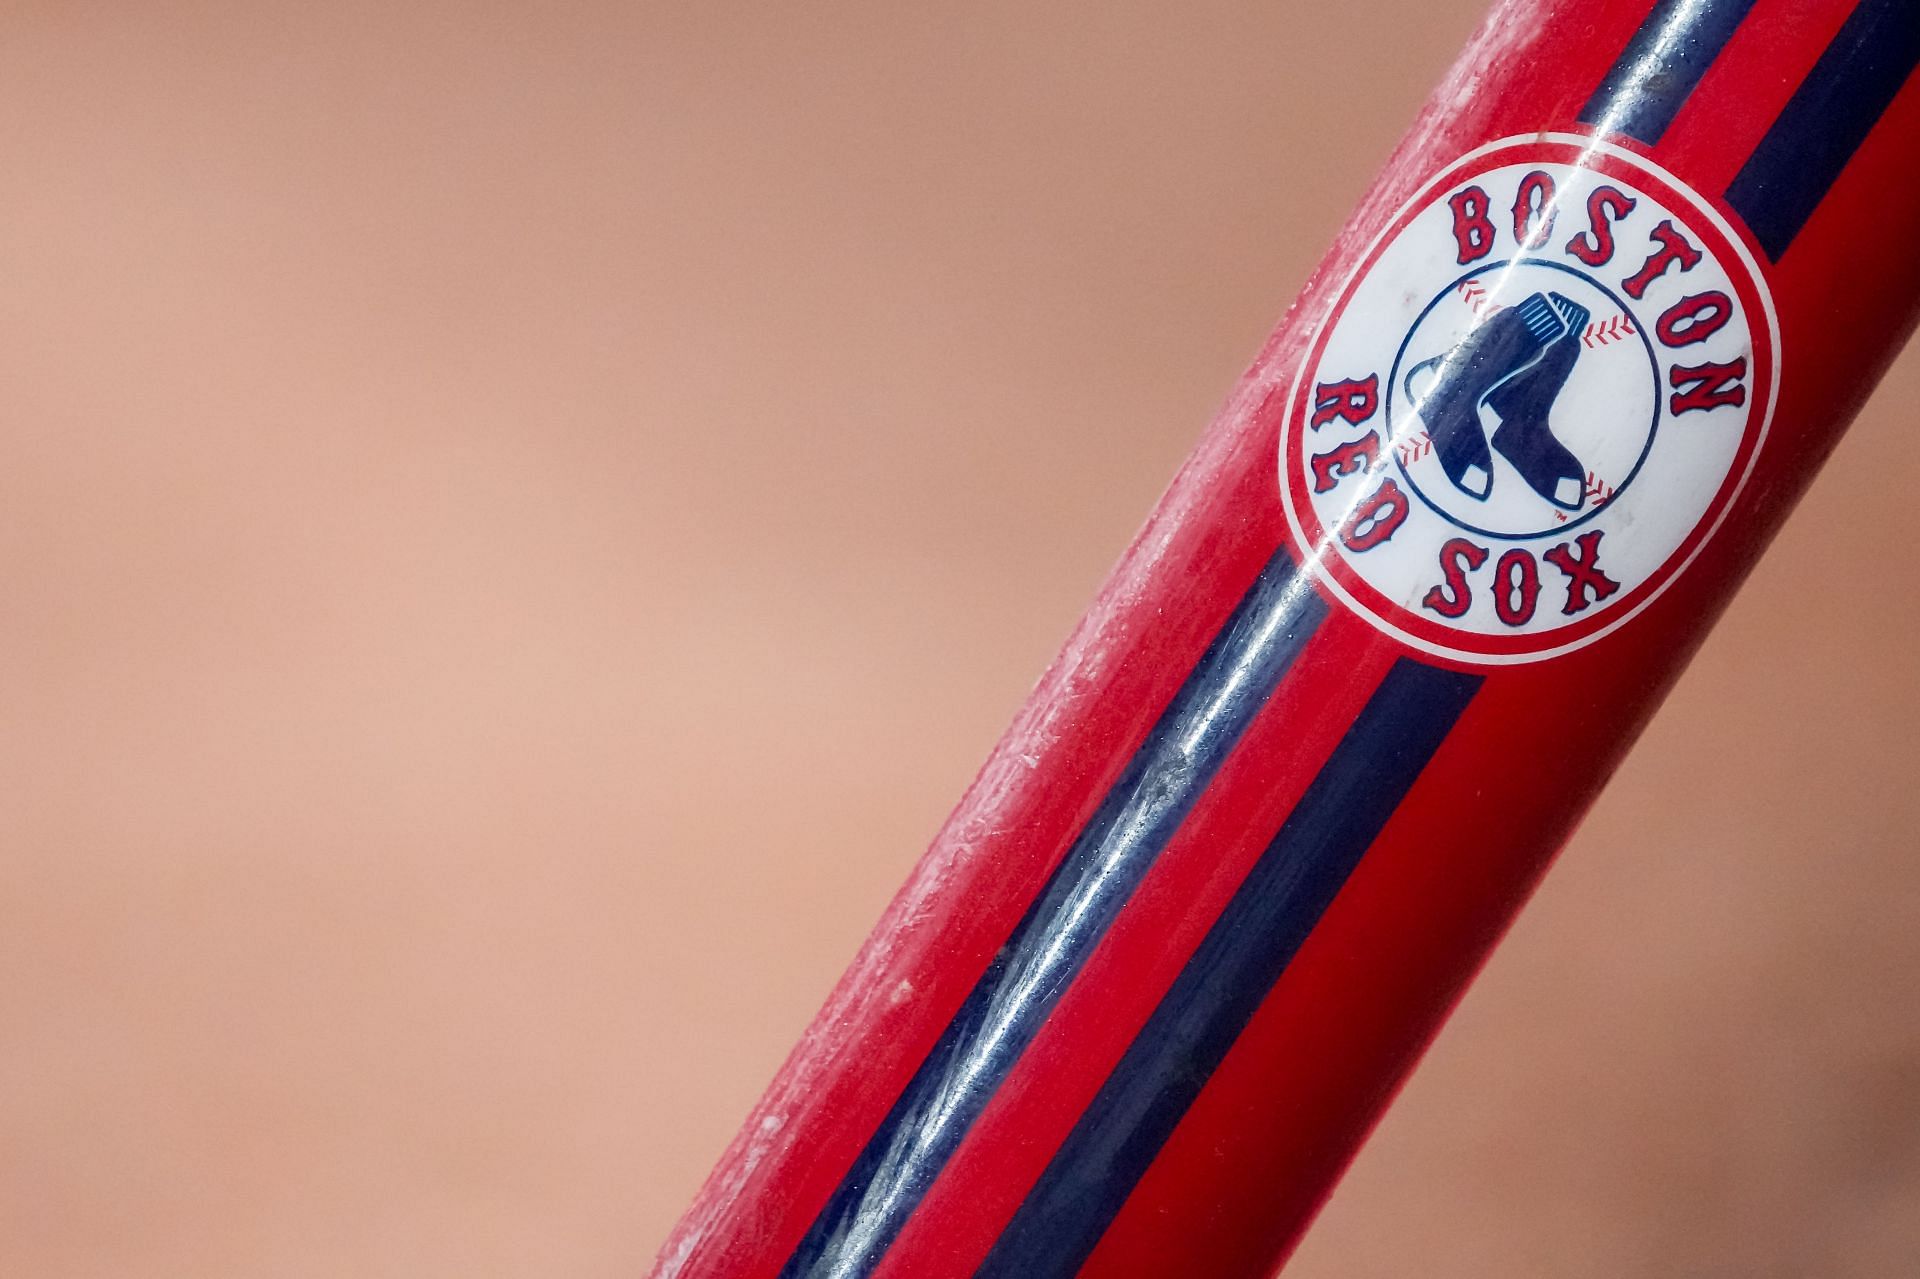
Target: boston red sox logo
1532,402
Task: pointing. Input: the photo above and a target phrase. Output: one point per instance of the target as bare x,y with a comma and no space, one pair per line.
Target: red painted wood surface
1250,1161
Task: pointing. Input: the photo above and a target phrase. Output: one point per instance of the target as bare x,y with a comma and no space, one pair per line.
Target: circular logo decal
1532,403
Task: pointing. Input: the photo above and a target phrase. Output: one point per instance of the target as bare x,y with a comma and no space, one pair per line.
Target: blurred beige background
516,521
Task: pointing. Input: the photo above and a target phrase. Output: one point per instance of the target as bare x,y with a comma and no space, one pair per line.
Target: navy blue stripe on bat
1051,943
1231,973
1662,65
1826,120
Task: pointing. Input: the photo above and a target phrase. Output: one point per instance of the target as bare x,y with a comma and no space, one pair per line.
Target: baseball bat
1559,380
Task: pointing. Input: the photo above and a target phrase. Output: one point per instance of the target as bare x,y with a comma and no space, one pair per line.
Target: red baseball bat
1453,536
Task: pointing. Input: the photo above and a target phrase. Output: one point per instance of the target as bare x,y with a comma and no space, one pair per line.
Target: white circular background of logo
1653,476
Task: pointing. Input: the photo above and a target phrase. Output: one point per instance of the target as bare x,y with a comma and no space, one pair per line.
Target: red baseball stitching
1601,332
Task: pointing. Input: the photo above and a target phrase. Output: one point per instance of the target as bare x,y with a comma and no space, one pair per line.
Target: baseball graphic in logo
1532,402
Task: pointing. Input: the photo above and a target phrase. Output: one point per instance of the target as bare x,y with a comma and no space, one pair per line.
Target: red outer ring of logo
1734,258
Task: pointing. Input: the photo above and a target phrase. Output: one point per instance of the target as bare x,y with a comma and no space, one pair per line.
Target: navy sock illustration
1449,389
1515,363
1523,403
